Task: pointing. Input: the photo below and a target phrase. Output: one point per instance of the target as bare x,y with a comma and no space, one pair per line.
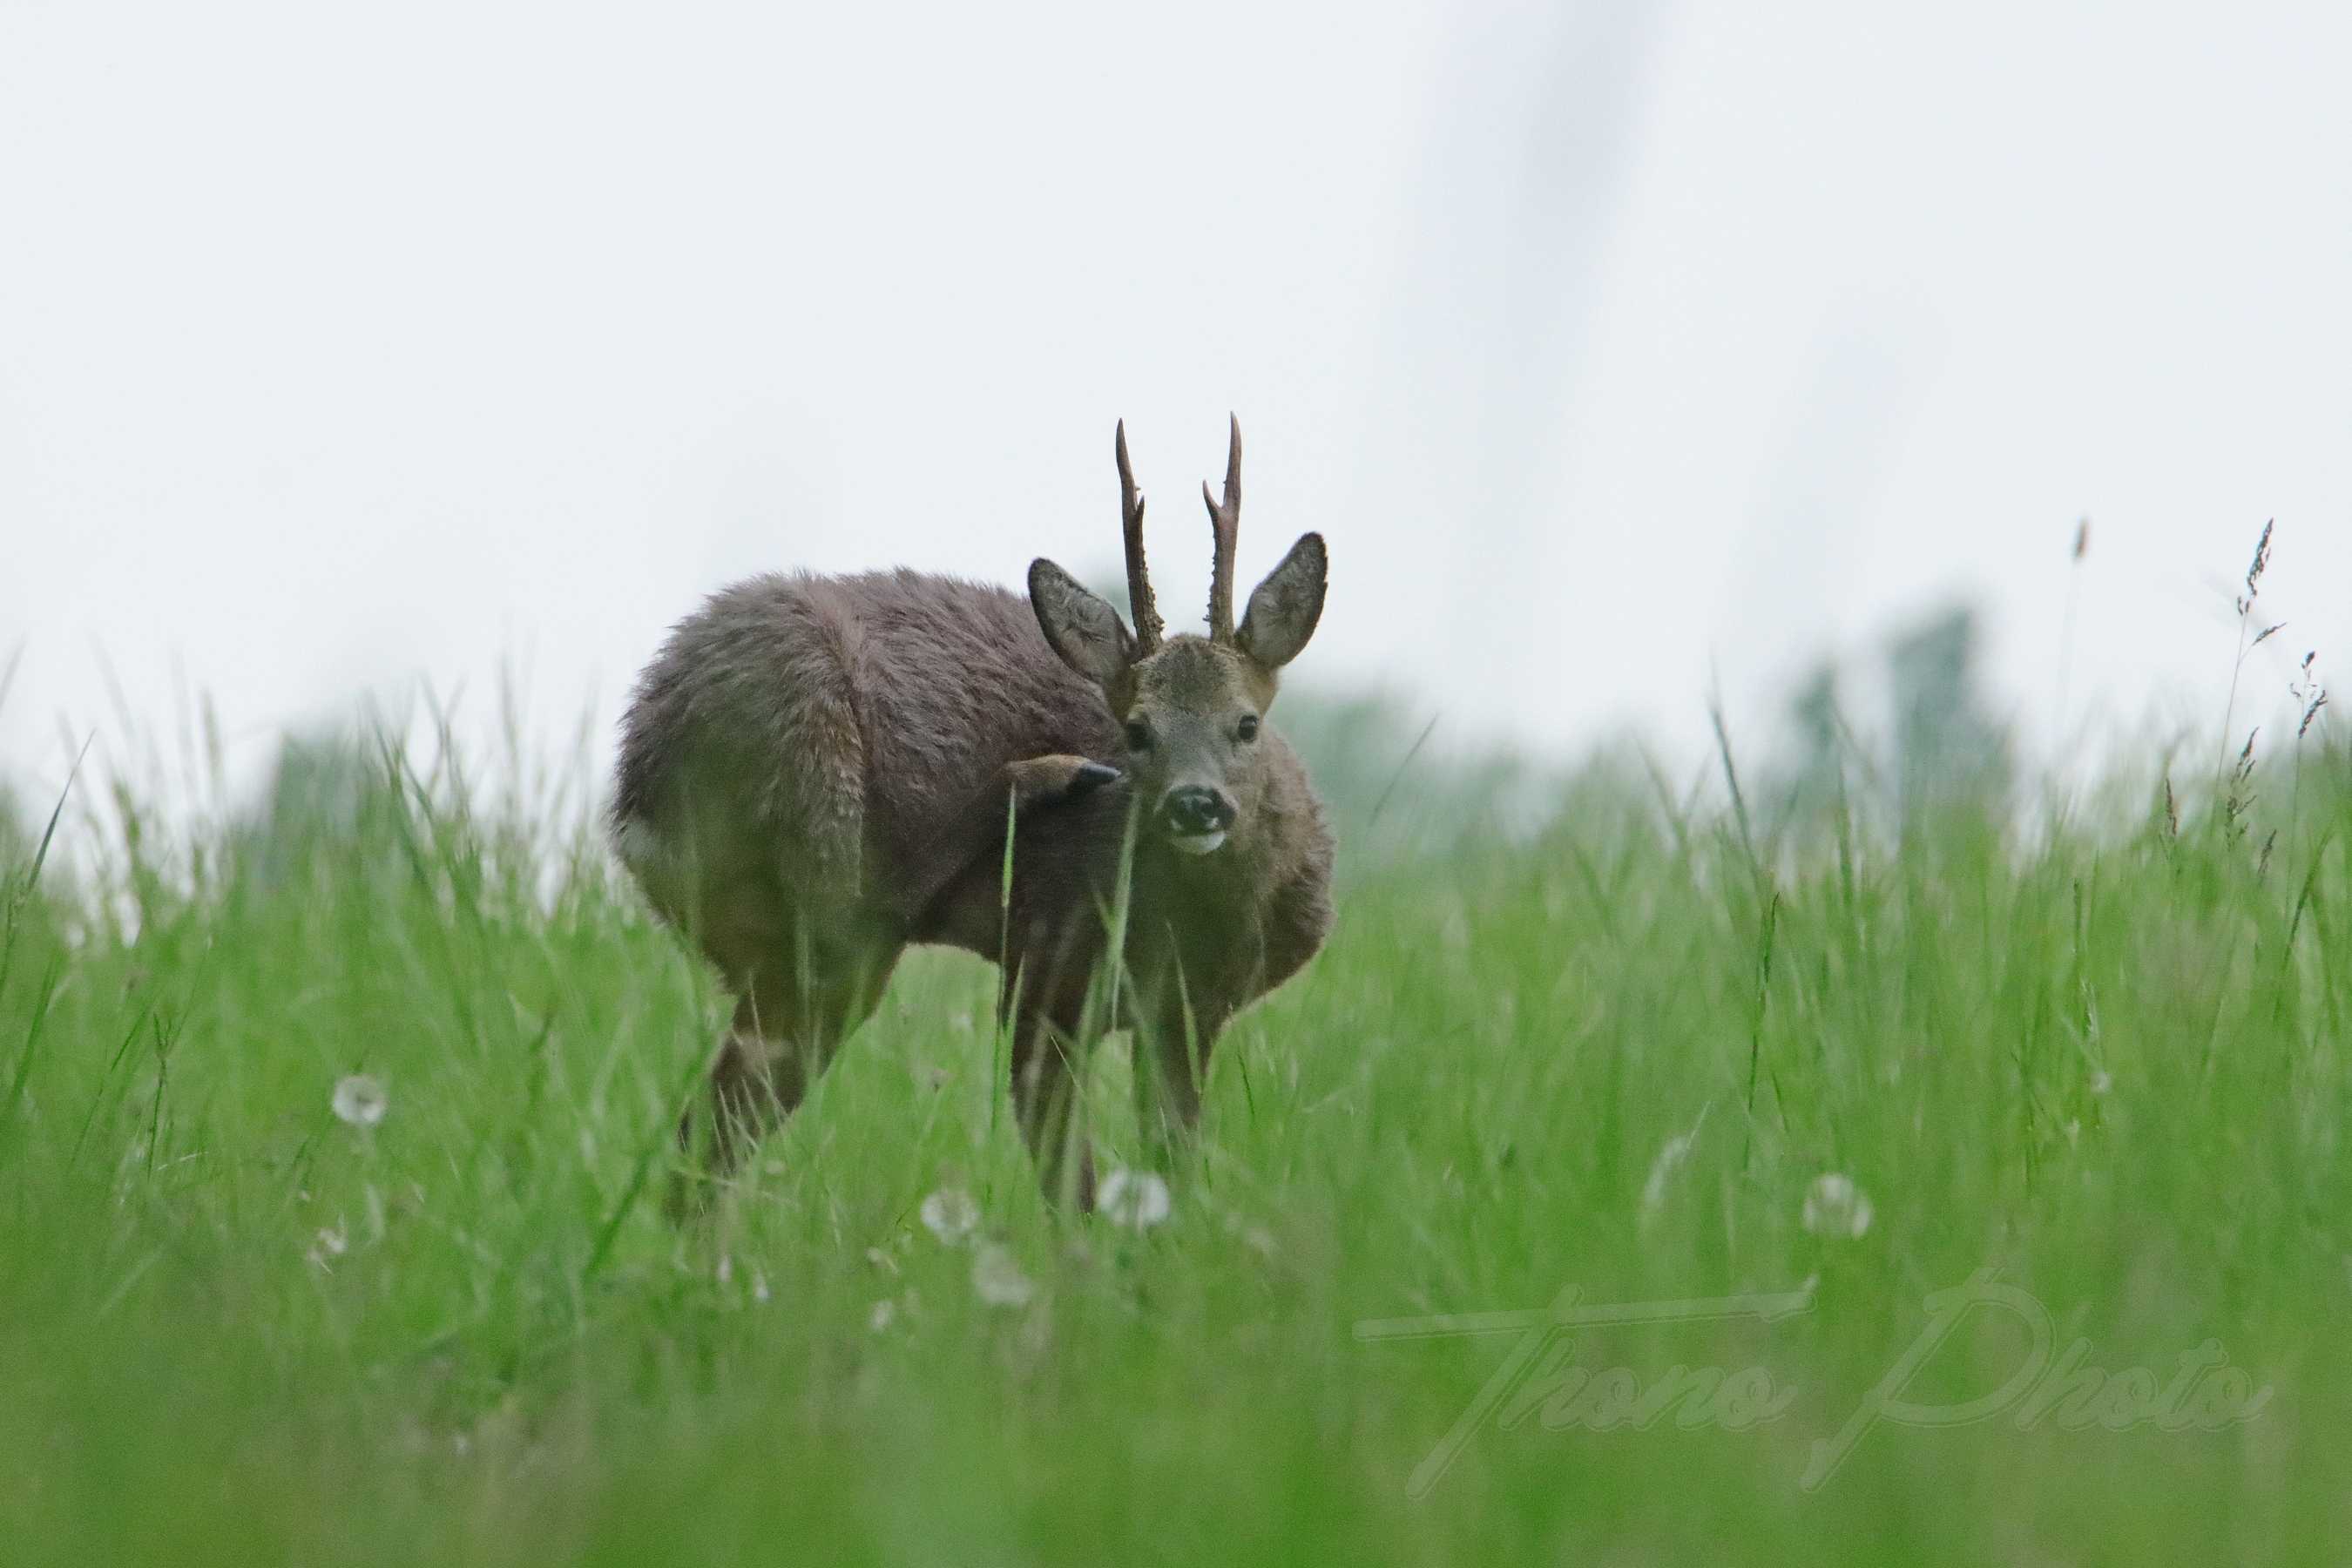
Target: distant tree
15,839
1948,745
321,795
1811,784
1939,746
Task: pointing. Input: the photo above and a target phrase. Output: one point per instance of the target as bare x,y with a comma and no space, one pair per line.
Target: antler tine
1138,582
1225,521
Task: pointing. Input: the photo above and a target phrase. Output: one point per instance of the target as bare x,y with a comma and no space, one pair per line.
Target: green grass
2107,1058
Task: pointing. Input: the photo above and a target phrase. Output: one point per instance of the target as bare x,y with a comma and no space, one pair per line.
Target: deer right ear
1082,629
1285,607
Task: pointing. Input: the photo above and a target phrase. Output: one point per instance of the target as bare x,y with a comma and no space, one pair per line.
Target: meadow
331,1147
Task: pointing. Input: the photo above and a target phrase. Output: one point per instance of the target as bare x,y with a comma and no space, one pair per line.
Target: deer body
815,772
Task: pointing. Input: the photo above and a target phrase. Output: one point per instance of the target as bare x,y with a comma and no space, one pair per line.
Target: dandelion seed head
950,1215
361,1100
1135,1199
1835,1206
331,1243
997,1279
878,1318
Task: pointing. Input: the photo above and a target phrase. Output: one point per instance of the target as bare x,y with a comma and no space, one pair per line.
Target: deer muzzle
1196,817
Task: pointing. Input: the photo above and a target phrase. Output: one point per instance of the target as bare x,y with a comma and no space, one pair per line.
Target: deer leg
1019,789
1171,1064
788,1023
1048,1076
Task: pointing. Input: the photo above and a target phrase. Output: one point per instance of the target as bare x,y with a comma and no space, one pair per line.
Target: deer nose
1196,808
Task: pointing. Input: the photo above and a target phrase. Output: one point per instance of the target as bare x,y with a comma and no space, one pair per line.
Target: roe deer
816,771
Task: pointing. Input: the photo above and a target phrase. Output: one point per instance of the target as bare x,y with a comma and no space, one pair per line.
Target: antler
1139,582
1226,521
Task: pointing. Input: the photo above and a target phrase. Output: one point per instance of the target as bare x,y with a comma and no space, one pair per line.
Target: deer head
1192,706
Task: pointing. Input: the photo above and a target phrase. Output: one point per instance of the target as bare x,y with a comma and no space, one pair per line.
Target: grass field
1605,1066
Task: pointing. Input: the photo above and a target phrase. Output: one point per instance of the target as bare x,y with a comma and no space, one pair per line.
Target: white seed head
950,1215
331,1243
1835,1206
361,1100
997,1278
1136,1199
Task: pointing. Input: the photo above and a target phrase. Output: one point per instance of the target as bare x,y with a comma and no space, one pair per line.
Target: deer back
834,727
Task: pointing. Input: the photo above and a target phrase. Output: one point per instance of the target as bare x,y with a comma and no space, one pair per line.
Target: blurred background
1627,353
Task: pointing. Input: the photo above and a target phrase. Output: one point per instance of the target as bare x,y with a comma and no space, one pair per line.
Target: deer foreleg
1171,1065
1048,1076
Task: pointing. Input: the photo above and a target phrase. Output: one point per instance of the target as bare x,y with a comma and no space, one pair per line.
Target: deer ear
1082,629
1284,608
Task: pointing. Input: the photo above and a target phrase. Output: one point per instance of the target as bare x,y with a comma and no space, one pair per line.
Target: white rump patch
641,847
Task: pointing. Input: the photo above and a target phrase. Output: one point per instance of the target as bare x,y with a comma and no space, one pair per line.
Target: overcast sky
1617,349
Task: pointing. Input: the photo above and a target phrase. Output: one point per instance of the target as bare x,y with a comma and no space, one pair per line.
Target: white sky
1615,348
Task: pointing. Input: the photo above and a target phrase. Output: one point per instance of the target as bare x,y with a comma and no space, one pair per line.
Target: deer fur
815,772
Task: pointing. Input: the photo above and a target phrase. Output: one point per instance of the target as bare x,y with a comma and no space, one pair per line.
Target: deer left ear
1284,608
1087,632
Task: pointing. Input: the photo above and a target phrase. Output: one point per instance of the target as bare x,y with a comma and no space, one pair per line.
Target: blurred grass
2105,1056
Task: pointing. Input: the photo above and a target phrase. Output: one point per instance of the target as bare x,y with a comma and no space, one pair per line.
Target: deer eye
1247,728
1138,735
